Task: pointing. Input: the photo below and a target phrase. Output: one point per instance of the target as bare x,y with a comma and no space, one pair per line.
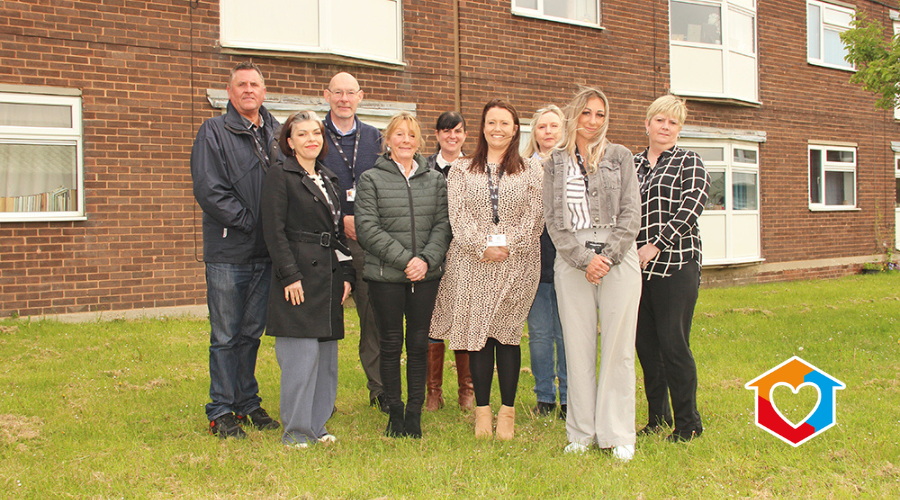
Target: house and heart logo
795,374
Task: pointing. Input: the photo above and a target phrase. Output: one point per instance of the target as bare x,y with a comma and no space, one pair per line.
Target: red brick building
100,102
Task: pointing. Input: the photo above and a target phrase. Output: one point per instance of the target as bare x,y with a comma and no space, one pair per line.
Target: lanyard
327,190
256,132
337,144
495,193
584,173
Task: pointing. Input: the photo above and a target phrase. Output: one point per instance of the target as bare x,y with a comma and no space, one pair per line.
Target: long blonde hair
596,148
533,147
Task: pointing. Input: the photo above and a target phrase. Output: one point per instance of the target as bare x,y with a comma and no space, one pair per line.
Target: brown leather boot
484,422
464,377
434,395
506,423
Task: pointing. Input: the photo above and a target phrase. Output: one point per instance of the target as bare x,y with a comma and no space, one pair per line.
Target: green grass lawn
115,410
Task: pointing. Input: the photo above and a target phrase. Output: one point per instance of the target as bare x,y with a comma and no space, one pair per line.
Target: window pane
834,49
14,114
743,187
813,30
716,199
577,10
741,32
696,23
898,192
37,177
839,156
527,4
745,155
815,176
710,154
839,189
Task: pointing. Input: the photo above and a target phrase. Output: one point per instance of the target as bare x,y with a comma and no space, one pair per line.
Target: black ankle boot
413,423
395,427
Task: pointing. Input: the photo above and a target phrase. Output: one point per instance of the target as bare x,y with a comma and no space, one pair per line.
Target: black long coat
295,216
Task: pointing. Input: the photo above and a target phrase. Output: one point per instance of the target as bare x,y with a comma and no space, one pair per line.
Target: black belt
323,239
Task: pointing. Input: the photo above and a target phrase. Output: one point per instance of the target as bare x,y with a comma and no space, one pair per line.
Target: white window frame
896,17
828,166
824,7
51,136
538,13
331,16
729,166
896,204
727,9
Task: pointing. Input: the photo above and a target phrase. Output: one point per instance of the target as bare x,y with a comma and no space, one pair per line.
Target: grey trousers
309,376
600,409
369,339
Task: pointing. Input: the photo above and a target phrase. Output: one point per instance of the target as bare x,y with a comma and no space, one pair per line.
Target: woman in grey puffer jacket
403,224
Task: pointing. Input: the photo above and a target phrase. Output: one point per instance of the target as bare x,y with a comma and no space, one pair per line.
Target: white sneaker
327,438
624,452
575,448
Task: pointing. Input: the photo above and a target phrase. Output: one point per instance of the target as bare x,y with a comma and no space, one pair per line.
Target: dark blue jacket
228,171
367,153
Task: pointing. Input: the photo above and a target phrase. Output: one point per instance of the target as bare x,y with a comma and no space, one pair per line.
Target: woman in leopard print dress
494,261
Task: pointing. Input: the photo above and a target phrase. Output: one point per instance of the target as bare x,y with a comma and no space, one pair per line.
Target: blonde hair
597,147
414,128
533,147
670,107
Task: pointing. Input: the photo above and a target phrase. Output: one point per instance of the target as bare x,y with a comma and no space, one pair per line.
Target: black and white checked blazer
673,194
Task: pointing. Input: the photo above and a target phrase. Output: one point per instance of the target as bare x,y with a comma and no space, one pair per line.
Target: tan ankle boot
434,395
484,422
464,377
506,423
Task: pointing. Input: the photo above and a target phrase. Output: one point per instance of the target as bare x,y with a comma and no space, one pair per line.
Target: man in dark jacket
353,147
229,161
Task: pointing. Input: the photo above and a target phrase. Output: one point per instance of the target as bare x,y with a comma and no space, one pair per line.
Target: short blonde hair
411,122
533,147
668,106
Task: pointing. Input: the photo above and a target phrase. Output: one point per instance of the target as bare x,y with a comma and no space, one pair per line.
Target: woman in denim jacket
592,210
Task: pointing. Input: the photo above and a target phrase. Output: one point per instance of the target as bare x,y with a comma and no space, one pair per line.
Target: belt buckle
325,239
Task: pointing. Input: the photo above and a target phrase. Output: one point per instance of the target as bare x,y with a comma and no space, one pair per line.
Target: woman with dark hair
593,215
494,261
312,276
450,131
402,224
674,190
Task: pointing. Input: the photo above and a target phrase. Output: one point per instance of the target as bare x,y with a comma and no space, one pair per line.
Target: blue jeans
237,295
545,332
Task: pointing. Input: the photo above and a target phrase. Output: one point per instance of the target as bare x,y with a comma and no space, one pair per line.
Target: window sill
38,217
562,20
321,58
830,66
834,209
734,101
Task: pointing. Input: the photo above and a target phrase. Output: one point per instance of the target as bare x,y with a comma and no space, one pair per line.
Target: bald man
353,147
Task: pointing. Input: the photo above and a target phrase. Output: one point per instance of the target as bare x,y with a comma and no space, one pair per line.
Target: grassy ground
115,410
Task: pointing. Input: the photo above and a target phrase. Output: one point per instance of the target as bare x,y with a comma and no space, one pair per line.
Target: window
897,109
582,12
41,169
897,206
832,177
730,223
713,48
317,27
824,25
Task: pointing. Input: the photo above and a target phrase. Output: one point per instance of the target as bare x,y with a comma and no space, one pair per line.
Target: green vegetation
877,60
115,410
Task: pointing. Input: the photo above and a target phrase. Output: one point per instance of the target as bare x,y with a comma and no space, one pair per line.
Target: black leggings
481,364
391,302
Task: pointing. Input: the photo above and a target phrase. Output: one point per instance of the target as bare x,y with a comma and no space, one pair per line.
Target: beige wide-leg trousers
600,408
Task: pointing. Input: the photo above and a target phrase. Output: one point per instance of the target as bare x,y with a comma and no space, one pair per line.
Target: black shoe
395,427
684,436
650,429
380,403
226,426
260,419
543,409
563,411
412,424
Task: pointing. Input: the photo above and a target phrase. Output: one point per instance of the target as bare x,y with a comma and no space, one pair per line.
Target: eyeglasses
341,93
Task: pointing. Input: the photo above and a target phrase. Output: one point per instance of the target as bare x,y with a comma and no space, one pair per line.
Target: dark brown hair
300,116
512,162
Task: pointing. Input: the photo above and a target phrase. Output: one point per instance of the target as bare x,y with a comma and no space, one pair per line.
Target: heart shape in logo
793,403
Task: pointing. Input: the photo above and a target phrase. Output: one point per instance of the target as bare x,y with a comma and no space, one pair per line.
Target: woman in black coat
312,276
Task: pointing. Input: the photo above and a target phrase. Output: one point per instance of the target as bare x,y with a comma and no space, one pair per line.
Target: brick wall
144,68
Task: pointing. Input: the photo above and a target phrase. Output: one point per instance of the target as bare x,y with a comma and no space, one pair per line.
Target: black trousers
391,302
481,365
664,350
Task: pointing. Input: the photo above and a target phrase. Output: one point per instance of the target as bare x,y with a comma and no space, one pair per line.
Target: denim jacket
614,201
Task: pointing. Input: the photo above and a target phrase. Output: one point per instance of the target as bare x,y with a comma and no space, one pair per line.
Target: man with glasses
353,147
